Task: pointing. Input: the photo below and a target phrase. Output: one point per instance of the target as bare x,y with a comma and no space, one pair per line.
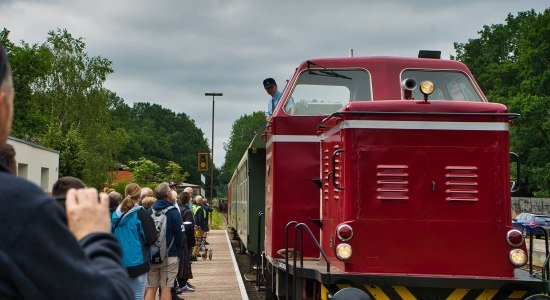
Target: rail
411,113
258,259
545,265
286,253
299,227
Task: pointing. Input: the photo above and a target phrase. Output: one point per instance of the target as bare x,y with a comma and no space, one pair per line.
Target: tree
61,102
174,173
28,64
71,162
145,171
511,64
159,134
242,132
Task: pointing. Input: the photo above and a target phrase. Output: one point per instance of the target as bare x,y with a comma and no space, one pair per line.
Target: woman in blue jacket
136,232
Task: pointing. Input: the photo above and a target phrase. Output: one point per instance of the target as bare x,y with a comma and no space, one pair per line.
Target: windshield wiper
324,71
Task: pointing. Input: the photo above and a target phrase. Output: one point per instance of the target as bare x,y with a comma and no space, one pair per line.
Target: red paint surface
425,233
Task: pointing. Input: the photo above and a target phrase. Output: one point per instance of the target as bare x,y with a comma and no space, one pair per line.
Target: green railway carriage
246,192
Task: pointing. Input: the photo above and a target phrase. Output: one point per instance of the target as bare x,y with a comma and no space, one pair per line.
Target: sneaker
190,285
206,243
185,289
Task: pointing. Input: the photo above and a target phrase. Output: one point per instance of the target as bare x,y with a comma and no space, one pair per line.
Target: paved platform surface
218,278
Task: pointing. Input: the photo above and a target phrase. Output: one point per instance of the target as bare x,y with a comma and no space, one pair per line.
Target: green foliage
71,148
242,132
174,173
145,171
160,135
217,221
510,62
61,102
119,187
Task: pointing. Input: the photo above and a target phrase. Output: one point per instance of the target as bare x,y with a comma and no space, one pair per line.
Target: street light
212,151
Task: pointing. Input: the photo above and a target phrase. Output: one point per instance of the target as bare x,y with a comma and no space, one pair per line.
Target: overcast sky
172,52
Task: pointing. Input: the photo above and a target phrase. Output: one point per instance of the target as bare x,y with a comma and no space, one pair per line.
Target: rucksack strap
163,211
118,221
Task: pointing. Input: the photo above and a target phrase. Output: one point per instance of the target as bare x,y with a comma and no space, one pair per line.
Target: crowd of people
78,243
144,221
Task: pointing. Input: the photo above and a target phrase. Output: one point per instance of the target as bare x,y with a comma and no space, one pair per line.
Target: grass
217,222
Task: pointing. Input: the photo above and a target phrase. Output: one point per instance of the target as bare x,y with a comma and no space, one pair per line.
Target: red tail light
514,238
344,232
532,224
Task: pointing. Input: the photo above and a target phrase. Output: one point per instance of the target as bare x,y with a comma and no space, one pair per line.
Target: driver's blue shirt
272,103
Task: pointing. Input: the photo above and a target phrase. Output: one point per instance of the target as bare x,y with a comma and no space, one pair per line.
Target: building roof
32,144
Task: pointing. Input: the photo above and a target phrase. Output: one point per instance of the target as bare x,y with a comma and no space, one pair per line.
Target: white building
36,163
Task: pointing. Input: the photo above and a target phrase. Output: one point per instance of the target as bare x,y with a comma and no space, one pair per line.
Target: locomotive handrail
545,265
260,214
300,227
405,113
286,252
432,113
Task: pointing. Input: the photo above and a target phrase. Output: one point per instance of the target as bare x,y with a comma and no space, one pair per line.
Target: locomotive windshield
322,92
449,85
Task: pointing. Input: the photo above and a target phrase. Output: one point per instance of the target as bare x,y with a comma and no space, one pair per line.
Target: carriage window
449,85
326,91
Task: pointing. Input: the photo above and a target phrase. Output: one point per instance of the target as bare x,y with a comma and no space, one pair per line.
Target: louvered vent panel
461,183
392,182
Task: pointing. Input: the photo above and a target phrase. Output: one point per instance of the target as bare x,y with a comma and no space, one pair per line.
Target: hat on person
269,82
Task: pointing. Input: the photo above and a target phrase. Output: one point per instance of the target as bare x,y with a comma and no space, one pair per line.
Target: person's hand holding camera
85,214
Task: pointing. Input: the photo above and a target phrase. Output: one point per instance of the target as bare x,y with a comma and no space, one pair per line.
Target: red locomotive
388,178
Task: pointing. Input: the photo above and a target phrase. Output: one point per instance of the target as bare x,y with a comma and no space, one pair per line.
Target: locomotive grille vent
392,182
461,183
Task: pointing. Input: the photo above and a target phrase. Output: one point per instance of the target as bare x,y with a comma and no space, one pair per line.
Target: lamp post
212,151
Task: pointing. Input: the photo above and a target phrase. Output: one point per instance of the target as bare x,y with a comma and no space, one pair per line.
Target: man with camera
45,254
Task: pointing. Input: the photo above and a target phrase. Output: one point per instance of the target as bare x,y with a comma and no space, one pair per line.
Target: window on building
45,178
23,170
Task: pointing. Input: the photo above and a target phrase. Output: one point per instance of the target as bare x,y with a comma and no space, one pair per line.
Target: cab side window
323,91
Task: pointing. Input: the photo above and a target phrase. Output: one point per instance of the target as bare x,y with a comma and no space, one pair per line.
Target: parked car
524,221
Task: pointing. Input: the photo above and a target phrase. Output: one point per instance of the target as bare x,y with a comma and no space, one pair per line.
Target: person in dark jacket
163,274
184,271
44,254
135,244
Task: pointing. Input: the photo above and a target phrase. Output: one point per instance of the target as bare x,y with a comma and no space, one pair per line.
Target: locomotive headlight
518,257
427,87
343,251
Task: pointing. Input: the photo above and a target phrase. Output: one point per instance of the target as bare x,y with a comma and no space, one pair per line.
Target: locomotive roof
385,62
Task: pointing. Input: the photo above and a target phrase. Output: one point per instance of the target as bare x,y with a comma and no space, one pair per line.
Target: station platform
218,278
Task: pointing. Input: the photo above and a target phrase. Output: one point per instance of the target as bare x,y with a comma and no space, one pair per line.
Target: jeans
138,285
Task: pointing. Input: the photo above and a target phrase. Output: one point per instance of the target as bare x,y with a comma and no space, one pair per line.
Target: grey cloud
171,52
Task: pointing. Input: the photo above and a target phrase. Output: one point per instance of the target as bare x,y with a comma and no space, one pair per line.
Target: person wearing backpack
136,232
166,250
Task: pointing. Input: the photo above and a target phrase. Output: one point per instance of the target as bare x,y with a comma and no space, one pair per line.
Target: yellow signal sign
202,161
